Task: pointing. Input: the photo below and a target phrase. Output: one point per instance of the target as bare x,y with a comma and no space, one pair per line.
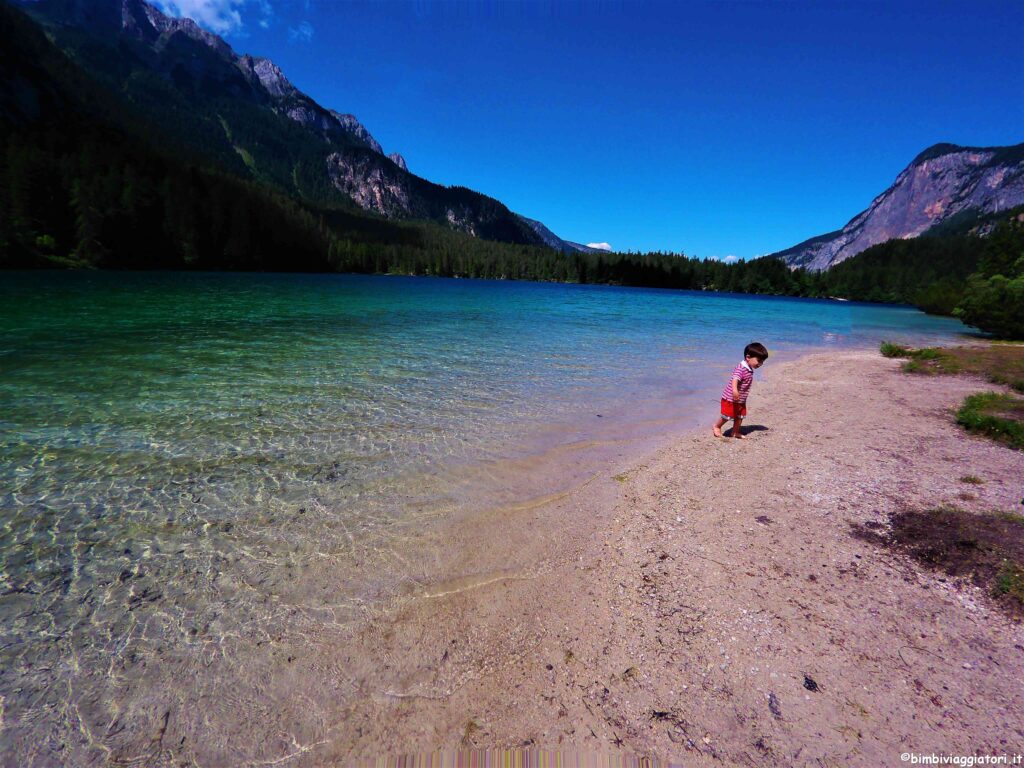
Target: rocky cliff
942,182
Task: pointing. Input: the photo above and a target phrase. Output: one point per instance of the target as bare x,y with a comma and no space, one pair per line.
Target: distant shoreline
512,280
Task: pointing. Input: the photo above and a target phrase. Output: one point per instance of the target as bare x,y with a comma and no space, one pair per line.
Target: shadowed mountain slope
243,113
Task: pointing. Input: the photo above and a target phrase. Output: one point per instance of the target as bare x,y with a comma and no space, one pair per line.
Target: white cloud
730,259
266,13
600,246
218,16
222,17
302,33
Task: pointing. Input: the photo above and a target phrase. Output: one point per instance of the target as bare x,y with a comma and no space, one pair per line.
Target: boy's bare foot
716,431
740,437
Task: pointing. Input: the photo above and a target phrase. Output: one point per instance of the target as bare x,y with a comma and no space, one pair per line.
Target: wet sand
684,607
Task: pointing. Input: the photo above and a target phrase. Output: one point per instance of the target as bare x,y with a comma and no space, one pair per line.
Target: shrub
995,305
941,297
888,349
996,415
1010,581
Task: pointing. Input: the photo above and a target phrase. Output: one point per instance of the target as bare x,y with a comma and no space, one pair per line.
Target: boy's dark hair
755,349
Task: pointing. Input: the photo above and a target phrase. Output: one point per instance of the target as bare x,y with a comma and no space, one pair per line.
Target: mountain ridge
942,181
232,99
554,241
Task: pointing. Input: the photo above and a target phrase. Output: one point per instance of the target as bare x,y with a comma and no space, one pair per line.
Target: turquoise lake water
176,450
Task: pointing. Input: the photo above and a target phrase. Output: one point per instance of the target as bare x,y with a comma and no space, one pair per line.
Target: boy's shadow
745,430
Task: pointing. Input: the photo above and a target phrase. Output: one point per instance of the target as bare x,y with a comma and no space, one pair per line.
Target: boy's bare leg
736,432
716,430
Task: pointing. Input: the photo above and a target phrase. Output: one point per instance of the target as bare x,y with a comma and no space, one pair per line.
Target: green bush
996,415
941,297
994,297
888,349
1010,581
994,304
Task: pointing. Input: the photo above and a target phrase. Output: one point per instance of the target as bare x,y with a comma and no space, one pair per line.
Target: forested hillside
89,180
243,114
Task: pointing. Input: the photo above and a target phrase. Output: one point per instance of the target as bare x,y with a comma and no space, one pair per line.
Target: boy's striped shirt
746,378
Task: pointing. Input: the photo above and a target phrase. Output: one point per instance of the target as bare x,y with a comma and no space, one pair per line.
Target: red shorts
728,409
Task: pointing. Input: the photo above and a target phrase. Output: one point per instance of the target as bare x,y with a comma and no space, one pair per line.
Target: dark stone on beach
773,705
810,685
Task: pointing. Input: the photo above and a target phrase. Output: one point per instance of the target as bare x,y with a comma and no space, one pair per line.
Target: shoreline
667,606
674,609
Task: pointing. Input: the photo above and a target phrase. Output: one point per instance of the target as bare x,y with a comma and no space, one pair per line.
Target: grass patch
999,363
994,415
985,549
888,349
1010,582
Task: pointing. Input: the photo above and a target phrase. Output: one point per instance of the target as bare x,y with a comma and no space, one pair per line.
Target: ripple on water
206,477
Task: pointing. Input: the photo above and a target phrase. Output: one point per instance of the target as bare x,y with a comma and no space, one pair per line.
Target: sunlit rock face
941,182
353,127
370,185
132,10
268,75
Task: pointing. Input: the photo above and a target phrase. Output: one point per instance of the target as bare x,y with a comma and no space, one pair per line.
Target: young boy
734,396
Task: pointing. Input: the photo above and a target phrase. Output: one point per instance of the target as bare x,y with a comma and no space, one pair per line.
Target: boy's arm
736,418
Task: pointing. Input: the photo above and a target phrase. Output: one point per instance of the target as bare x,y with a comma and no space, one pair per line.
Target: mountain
944,184
82,185
554,241
243,113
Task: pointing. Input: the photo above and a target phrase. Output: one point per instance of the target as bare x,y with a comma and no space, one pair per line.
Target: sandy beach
710,605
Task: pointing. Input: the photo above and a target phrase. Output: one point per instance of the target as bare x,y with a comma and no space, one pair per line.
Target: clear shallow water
186,459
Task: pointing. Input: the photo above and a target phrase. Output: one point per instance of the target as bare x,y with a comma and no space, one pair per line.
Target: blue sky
715,129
